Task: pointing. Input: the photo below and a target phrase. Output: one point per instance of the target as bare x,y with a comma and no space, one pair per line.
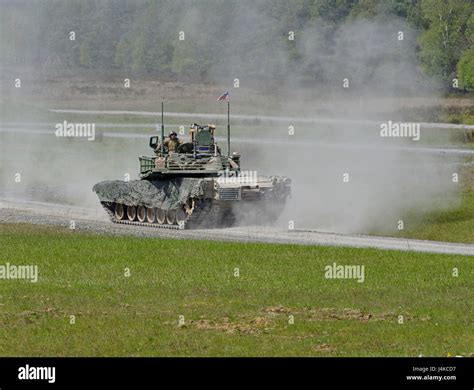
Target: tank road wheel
170,217
119,211
180,218
141,213
131,213
150,214
160,216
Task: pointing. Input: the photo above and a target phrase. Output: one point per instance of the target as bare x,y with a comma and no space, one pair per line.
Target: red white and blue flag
224,96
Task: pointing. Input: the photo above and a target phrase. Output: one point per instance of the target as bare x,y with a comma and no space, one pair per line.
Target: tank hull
193,202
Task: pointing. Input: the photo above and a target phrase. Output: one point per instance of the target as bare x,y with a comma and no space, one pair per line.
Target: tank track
197,219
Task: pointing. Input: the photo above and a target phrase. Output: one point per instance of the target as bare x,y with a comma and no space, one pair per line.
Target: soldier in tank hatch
171,143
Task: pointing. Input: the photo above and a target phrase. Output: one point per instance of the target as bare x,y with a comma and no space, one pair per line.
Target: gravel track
96,221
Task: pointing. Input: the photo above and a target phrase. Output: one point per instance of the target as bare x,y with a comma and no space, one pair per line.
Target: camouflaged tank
195,186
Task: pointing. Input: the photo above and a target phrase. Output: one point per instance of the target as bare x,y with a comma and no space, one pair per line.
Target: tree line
202,39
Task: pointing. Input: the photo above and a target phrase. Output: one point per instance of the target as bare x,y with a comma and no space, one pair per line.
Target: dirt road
95,220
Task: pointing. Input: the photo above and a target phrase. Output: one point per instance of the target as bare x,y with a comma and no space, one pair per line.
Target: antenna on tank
228,128
162,129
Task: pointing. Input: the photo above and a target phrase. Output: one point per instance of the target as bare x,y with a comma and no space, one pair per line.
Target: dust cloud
346,177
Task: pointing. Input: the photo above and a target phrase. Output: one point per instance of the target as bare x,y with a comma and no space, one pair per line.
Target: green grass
462,118
83,275
453,225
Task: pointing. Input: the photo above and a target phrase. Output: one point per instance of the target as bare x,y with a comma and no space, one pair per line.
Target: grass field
453,225
226,315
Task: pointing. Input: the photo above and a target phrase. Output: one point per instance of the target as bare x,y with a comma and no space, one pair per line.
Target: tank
194,186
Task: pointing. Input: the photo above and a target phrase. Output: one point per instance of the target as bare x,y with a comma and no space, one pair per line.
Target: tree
443,43
465,69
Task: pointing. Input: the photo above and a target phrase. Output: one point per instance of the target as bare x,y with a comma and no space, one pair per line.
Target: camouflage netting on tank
166,194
